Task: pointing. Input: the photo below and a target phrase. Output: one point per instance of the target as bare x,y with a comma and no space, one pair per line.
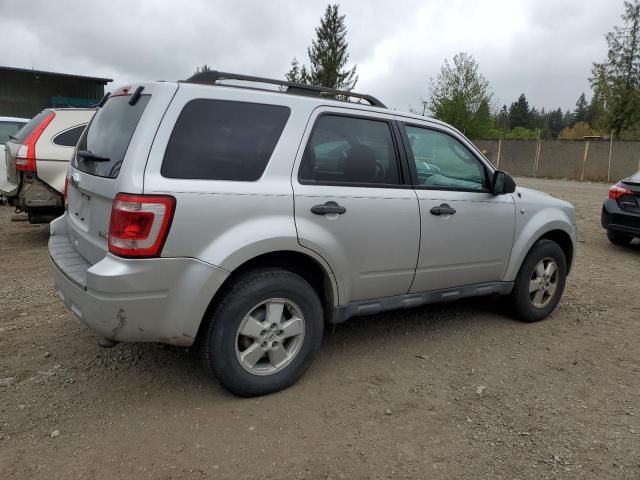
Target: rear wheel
540,282
263,334
618,238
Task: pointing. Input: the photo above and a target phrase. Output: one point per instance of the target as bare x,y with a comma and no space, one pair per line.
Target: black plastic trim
411,300
211,78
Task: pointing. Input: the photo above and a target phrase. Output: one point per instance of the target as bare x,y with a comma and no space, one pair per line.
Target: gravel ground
441,392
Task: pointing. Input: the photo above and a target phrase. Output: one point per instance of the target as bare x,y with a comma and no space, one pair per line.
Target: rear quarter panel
52,161
227,223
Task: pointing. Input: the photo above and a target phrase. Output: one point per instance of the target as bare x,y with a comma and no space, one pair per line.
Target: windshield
635,178
8,129
22,134
108,135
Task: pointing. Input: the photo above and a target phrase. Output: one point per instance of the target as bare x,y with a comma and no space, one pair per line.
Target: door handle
443,209
328,207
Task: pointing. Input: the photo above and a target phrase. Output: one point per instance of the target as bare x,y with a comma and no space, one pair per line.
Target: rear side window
22,135
108,135
8,129
223,140
350,150
69,138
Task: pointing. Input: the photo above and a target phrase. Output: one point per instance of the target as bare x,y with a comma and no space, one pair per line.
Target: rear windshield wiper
11,137
89,155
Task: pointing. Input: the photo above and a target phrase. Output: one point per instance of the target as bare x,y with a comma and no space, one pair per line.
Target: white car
36,160
9,126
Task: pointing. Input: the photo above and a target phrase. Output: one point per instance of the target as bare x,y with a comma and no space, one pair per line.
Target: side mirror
502,183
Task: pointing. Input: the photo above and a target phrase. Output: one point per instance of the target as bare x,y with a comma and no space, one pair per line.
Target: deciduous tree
460,95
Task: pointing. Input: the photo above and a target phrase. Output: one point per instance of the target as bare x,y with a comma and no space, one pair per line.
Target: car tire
618,238
241,324
536,291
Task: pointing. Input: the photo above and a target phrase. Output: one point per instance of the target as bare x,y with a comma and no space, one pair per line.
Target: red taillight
26,156
618,190
139,224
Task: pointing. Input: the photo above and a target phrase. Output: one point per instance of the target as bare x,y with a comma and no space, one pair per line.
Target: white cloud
543,48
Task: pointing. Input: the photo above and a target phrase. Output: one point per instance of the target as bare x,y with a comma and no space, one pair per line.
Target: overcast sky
543,48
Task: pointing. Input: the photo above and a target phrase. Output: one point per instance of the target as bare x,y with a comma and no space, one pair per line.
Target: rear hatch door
111,157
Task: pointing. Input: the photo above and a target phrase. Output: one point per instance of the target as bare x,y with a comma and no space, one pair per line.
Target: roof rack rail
211,77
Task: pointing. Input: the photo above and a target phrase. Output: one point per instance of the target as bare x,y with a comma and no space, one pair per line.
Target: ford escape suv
243,218
37,159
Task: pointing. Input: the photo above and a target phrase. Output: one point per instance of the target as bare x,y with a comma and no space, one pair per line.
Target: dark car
621,211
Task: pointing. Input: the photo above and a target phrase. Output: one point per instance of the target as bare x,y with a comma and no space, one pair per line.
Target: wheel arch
563,239
558,231
317,273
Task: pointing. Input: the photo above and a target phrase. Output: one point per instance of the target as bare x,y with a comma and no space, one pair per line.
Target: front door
354,205
466,232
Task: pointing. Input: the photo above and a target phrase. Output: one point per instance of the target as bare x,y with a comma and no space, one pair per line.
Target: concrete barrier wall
564,158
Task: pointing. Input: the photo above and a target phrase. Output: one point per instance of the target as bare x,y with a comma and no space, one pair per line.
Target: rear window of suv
108,135
223,140
25,131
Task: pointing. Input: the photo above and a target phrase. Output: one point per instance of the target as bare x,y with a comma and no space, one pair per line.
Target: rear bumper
146,300
614,218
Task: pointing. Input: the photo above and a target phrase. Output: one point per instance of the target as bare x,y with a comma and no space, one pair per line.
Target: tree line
461,96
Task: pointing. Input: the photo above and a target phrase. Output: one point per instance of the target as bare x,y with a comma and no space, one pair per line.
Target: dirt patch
446,391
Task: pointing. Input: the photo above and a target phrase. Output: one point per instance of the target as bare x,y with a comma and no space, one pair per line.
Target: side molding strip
411,300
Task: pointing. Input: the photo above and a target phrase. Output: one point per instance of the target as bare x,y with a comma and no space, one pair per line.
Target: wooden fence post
584,160
499,150
610,149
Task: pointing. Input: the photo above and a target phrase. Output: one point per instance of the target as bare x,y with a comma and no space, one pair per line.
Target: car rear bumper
614,218
134,300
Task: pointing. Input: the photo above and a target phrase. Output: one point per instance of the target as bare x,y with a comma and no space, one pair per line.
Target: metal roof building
24,92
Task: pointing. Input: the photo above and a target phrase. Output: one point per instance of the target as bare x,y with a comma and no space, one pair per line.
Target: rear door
353,204
110,158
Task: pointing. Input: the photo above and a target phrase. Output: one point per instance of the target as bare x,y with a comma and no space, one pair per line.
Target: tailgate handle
328,207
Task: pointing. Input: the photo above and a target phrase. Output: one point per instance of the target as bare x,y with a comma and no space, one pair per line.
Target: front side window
223,140
350,150
443,162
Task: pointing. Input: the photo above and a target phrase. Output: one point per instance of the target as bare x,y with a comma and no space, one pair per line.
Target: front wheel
264,332
540,282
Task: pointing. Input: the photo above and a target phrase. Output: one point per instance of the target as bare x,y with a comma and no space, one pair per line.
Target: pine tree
567,120
616,81
502,120
554,123
519,113
328,56
582,110
297,73
203,68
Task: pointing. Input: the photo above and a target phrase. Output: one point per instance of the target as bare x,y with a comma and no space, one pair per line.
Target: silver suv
243,220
